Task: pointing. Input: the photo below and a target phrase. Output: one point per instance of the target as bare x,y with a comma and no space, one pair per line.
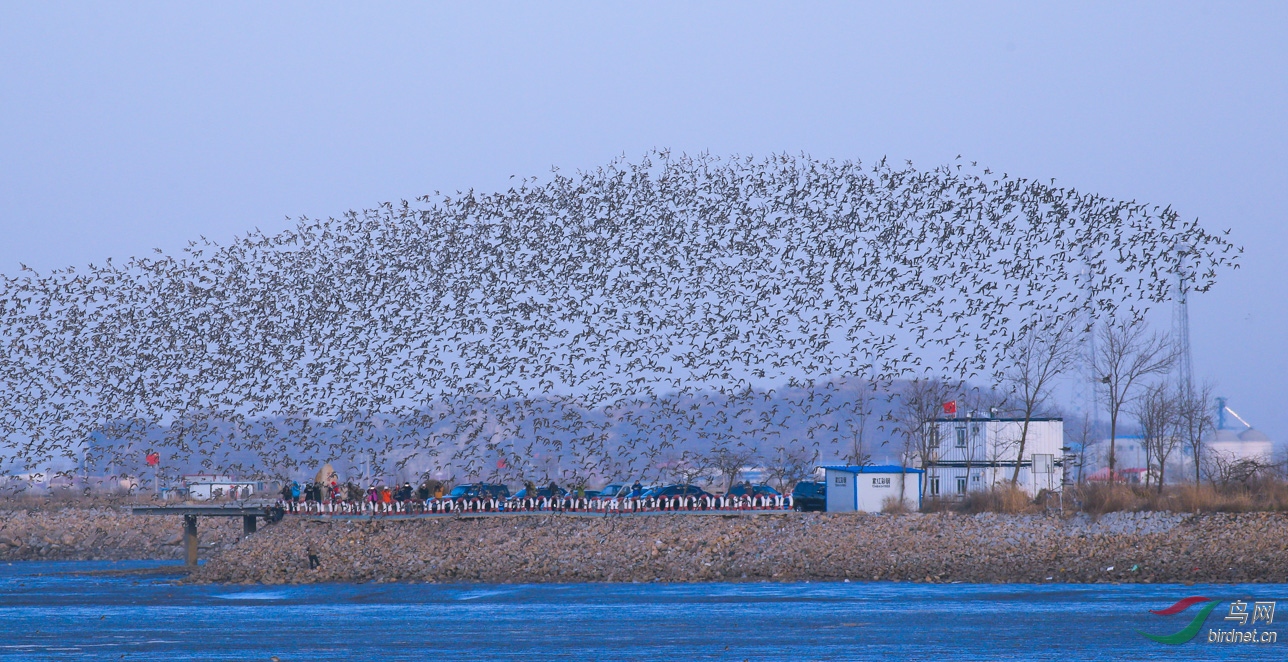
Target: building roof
874,469
1253,434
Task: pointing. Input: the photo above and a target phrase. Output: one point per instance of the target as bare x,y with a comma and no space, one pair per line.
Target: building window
961,437
961,484
934,486
934,437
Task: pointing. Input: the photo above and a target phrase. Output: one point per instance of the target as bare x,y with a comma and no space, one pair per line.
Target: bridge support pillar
248,525
190,539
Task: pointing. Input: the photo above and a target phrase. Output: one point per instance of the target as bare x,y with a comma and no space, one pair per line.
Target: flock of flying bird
569,324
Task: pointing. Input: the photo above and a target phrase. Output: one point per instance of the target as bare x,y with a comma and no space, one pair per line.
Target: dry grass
1004,498
1000,499
934,504
1100,499
893,506
1258,495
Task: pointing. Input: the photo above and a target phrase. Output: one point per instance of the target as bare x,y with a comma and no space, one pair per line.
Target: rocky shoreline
941,547
104,533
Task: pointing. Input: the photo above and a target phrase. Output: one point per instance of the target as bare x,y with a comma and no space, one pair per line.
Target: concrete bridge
248,513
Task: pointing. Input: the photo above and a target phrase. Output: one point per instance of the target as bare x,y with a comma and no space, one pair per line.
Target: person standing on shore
554,495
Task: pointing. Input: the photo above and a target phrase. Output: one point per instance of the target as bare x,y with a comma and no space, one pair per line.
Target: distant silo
1233,445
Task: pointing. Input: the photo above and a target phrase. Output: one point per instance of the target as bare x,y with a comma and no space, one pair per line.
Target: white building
1129,461
1223,447
1129,452
1231,446
866,489
968,454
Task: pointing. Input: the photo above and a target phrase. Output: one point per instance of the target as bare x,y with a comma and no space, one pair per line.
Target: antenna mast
1181,326
1091,387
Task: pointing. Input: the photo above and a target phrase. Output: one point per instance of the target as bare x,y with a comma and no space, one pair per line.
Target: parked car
810,495
541,493
477,491
627,491
614,489
742,489
690,491
632,493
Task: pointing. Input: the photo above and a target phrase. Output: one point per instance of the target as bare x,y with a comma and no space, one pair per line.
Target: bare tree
1194,421
920,404
860,455
790,464
1081,436
728,463
1037,358
1126,354
1156,413
976,401
1225,469
691,467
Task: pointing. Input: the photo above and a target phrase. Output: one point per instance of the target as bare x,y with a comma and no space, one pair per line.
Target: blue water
46,613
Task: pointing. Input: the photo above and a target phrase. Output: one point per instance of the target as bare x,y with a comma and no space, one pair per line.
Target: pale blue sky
132,125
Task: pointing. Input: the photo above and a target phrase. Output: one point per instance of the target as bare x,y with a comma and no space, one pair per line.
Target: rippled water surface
54,611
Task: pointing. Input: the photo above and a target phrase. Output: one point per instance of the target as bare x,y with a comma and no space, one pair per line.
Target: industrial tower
1181,325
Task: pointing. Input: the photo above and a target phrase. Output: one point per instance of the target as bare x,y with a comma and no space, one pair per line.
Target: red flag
500,464
950,407
153,458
